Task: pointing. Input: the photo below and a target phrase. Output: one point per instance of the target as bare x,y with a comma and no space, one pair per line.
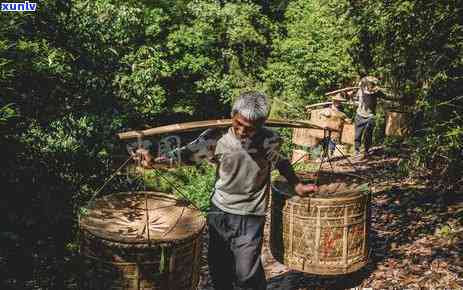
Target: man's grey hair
251,105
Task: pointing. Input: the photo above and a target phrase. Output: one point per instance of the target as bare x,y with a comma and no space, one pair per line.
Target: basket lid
123,217
331,185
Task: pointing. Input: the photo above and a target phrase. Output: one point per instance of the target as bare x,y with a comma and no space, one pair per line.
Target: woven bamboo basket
140,240
326,233
397,124
305,137
332,120
312,137
348,134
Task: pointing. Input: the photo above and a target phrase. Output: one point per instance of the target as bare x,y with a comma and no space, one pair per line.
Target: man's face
370,88
245,128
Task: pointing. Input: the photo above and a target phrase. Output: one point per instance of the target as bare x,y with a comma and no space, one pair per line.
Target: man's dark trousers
235,244
363,126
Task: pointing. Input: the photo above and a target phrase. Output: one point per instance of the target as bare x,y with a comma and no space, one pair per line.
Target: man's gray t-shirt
243,181
367,104
243,173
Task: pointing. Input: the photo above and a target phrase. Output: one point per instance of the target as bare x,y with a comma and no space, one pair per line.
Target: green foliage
312,56
193,183
218,51
7,112
139,83
287,146
103,26
306,167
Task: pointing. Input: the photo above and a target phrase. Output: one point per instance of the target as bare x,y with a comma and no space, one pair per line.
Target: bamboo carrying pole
318,105
308,107
191,126
347,89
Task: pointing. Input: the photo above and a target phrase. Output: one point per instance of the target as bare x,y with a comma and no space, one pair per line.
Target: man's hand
144,156
305,189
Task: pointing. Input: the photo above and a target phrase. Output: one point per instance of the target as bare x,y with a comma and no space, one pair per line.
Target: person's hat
370,85
337,97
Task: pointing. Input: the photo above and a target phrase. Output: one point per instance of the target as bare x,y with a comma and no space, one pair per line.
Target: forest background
75,73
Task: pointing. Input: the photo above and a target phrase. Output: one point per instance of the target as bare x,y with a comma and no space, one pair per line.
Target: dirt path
416,239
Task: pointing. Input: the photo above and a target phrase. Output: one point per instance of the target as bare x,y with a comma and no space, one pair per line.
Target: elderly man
245,156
